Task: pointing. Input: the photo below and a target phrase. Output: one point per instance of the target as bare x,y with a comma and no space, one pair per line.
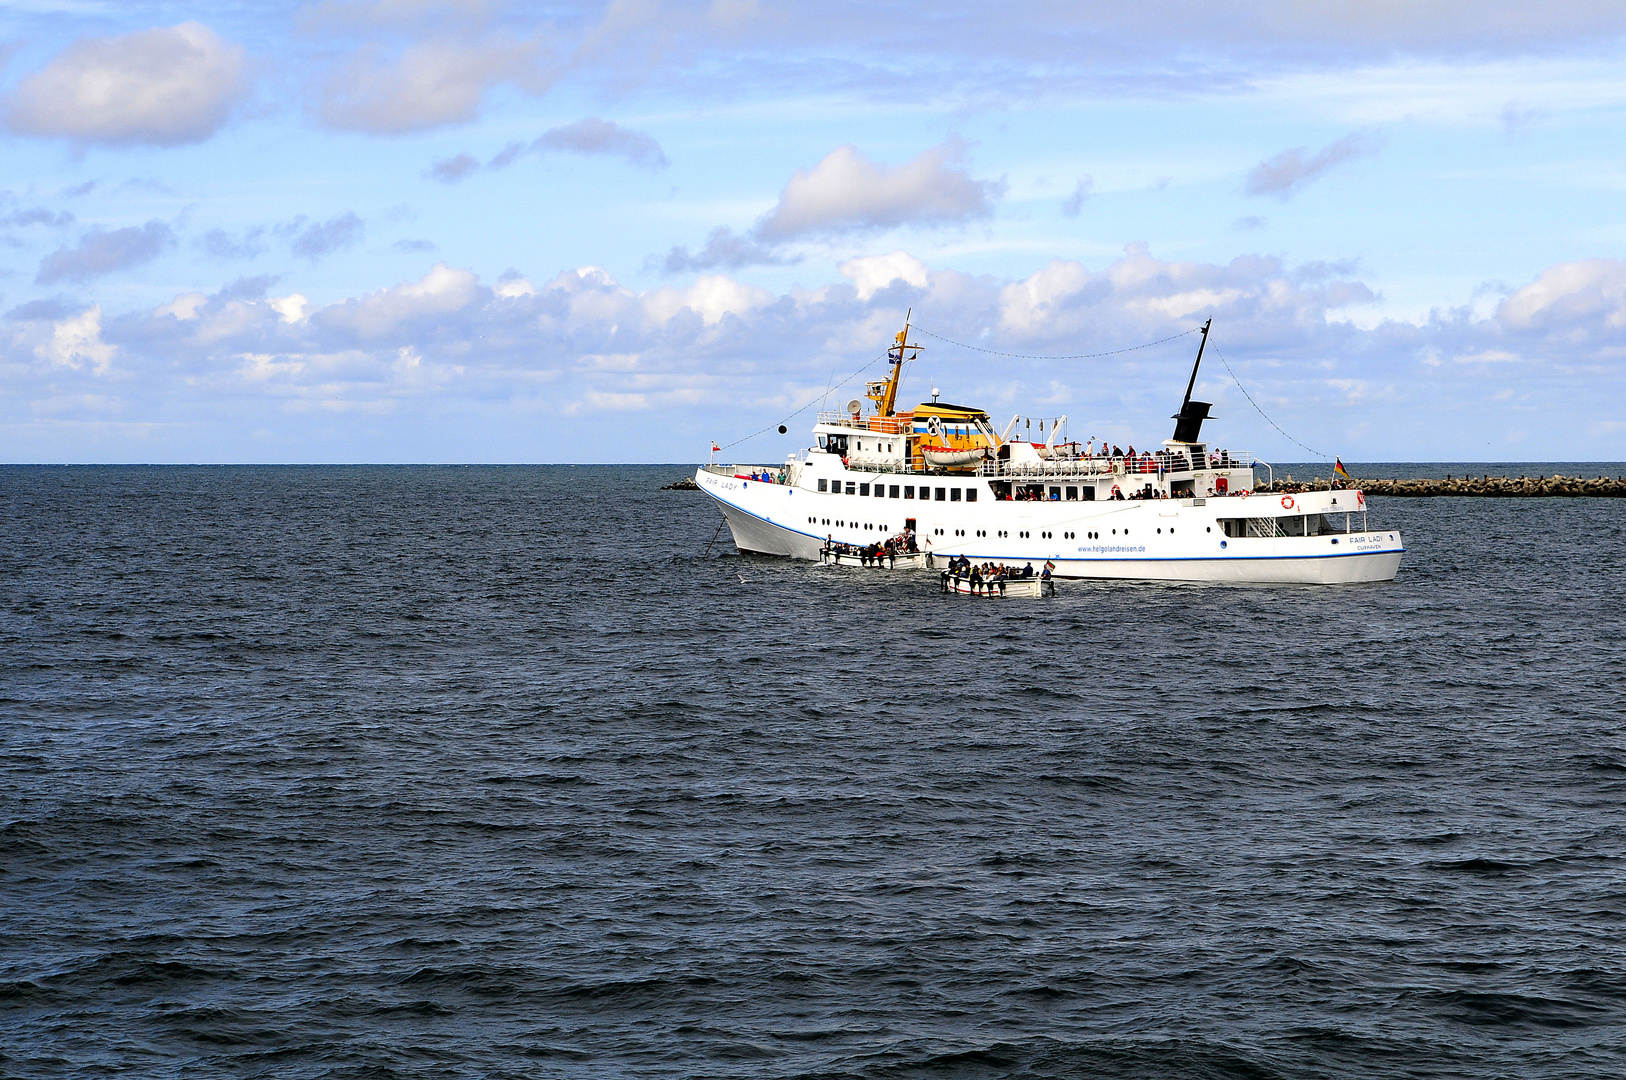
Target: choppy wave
407,772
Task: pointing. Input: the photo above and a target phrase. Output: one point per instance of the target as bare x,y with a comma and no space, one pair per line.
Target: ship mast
1188,422
885,394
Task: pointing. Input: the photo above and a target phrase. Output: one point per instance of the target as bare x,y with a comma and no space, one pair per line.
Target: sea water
492,772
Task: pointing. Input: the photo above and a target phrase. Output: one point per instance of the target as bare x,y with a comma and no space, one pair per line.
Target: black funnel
1188,422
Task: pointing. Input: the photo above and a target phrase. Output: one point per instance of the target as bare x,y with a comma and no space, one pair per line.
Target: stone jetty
1493,487
685,484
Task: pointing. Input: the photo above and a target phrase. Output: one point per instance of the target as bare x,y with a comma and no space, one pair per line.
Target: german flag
1338,467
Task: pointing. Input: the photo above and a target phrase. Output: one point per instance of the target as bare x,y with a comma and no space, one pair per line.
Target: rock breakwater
1494,487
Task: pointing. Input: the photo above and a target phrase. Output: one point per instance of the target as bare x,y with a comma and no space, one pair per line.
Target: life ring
1360,498
1287,502
1116,491
1245,494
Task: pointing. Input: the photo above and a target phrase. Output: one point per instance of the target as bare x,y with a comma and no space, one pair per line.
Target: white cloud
712,297
1572,297
582,343
723,249
292,308
872,273
77,342
513,287
160,87
440,292
429,85
596,136
846,192
184,307
101,252
1075,202
1290,170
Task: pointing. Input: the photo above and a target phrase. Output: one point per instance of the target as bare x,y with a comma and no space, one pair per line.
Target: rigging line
1075,356
809,405
1260,411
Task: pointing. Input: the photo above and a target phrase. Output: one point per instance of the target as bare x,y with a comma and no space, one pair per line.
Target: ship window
941,495
1072,494
880,491
908,491
824,485
850,487
970,494
863,489
1055,494
954,494
892,492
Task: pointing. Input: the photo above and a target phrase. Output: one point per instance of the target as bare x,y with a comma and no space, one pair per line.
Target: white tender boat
1003,588
1187,512
886,560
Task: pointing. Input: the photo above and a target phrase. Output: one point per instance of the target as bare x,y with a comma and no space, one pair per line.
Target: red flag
715,448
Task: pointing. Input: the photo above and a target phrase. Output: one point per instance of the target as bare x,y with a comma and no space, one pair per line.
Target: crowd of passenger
989,578
1145,461
880,553
765,476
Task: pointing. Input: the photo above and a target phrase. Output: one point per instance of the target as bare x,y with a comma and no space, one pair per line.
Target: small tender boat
999,587
886,560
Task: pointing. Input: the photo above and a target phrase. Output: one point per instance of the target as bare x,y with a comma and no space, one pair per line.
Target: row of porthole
845,524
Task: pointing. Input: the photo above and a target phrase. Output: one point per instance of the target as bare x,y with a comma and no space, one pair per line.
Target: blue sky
411,230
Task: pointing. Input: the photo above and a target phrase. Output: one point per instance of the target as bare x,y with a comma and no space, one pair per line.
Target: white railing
1139,466
880,425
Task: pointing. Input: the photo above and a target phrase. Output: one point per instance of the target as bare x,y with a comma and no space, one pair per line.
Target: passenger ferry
1187,512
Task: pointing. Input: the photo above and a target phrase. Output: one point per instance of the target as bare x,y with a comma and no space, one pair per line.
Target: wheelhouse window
954,494
892,492
908,491
851,487
863,489
942,495
824,485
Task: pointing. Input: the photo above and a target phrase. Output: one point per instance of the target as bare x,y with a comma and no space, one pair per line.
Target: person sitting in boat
1027,571
976,579
1045,575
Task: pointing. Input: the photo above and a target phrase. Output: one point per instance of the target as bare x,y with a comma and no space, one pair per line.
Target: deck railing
880,425
1097,466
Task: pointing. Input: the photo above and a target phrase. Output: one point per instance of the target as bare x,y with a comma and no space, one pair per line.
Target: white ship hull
1151,540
